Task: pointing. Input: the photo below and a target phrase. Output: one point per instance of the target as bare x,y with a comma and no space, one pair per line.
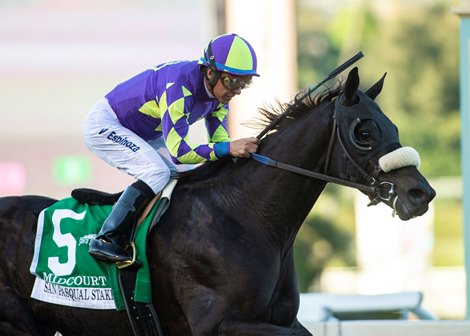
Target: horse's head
372,154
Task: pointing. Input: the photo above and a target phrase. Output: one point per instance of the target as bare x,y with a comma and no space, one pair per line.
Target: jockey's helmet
231,54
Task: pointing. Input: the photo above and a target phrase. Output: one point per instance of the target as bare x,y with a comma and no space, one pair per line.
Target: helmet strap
213,79
211,64
210,57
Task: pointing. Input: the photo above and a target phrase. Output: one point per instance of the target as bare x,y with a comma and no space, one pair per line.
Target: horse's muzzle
415,202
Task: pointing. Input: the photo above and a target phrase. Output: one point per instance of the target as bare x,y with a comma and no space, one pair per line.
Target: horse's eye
362,133
365,135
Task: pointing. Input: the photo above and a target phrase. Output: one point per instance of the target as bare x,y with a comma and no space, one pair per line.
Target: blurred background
58,57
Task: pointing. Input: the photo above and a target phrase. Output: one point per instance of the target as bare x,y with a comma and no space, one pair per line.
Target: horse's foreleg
208,315
232,327
284,309
283,312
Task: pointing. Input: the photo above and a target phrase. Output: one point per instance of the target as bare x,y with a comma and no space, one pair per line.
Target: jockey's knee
158,178
164,173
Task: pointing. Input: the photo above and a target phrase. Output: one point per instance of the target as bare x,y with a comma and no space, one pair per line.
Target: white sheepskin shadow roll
399,158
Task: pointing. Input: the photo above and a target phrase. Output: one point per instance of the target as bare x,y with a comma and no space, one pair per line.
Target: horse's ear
375,89
350,87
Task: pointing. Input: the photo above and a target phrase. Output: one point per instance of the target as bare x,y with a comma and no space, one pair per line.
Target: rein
310,173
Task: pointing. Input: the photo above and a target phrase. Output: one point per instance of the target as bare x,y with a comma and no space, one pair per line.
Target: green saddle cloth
66,274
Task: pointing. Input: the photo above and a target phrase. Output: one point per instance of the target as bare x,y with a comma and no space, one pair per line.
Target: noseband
383,191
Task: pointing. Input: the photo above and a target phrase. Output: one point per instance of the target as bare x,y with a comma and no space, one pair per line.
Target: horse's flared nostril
419,196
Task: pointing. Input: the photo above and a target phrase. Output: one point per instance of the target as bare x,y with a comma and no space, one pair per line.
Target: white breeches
121,148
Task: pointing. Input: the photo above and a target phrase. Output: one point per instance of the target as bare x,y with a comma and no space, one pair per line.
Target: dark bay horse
222,255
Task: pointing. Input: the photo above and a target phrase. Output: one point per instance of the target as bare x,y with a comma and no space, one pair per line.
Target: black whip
332,74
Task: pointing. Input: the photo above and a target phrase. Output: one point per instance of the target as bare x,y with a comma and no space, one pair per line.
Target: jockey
141,127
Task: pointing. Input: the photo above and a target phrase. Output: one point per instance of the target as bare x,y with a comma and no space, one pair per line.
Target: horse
221,257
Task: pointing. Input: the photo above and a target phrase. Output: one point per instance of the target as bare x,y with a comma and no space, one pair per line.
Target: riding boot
115,234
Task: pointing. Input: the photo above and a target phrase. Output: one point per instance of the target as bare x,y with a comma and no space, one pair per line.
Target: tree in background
419,50
319,241
416,43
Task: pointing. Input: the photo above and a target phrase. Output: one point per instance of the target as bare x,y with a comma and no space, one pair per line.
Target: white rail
320,307
390,328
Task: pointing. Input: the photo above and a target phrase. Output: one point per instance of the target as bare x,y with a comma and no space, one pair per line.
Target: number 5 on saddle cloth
66,274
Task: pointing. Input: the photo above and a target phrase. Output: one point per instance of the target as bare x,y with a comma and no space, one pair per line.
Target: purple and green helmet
232,54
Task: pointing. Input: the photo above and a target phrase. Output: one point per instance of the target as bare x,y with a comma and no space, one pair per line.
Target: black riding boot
115,234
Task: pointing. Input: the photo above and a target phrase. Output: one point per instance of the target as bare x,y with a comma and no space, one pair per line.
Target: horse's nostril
418,195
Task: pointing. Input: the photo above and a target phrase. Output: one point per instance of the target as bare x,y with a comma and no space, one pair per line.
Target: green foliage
318,242
416,43
448,245
421,92
326,237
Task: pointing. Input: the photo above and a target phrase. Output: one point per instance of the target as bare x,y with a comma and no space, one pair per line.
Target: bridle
383,191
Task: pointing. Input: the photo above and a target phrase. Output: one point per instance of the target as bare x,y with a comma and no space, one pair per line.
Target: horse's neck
283,199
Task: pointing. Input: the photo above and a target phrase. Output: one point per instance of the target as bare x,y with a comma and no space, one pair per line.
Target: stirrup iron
130,262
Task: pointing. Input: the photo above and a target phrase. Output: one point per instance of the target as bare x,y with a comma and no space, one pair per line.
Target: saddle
92,196
97,197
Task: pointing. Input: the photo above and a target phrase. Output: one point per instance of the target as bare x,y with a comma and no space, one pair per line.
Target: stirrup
127,263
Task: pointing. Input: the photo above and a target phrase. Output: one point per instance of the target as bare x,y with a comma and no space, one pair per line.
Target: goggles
234,83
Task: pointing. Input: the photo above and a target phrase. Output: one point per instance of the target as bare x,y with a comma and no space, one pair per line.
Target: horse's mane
294,109
289,112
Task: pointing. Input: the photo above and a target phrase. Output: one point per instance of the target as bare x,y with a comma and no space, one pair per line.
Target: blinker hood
364,110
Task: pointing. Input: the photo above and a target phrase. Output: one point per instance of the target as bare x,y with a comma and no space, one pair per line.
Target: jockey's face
228,86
